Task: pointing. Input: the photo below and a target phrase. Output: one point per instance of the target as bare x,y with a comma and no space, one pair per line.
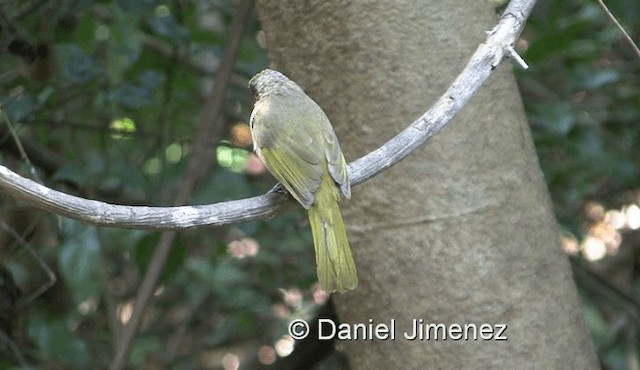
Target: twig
477,71
178,334
41,157
183,57
14,348
615,21
52,276
18,143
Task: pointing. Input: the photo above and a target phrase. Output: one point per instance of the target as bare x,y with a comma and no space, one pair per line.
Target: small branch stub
513,54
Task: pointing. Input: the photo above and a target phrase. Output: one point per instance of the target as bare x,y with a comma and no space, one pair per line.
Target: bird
295,140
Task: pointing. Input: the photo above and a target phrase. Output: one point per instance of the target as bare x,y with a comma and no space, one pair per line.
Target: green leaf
84,34
18,108
80,5
56,342
77,66
141,350
233,326
144,249
149,79
167,26
136,5
131,96
557,117
72,172
588,79
79,259
228,273
224,185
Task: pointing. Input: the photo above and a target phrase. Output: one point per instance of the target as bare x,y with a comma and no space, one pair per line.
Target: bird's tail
336,269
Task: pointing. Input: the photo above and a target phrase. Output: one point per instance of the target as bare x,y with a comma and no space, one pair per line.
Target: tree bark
460,232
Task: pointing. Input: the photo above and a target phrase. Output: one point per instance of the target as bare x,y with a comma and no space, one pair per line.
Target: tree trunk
460,232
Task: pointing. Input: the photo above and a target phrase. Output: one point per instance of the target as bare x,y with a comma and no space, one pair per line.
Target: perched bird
296,142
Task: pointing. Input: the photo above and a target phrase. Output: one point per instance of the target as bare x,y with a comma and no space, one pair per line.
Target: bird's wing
336,162
291,154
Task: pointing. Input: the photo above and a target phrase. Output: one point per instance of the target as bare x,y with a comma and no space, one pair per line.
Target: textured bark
462,230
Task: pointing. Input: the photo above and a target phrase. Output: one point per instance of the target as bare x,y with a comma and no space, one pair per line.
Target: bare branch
18,143
615,21
494,50
50,274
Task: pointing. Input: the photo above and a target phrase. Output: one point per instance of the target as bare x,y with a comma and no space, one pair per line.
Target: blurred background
102,99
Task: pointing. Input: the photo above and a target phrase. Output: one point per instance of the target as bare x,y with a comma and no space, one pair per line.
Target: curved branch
139,217
497,47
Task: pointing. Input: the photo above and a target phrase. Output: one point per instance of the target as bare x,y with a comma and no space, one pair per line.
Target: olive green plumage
296,142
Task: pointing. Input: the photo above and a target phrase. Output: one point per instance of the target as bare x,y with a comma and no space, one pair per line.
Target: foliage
115,93
583,104
106,102
581,95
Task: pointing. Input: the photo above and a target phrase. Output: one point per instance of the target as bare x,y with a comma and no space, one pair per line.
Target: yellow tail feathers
336,269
